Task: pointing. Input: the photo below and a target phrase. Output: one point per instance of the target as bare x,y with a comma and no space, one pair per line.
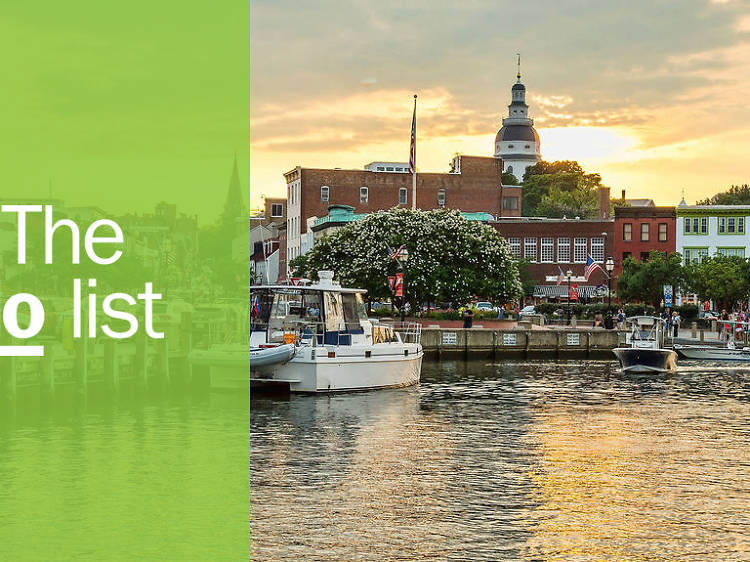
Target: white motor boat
714,353
643,352
317,338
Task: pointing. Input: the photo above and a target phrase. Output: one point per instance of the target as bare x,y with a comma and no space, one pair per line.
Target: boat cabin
644,331
321,313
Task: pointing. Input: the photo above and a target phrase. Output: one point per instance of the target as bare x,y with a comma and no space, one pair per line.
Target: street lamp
610,267
404,257
569,274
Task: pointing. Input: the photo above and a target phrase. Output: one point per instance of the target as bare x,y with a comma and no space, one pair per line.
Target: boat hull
312,370
643,360
712,353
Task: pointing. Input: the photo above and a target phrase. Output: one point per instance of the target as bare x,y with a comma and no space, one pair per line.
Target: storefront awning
561,291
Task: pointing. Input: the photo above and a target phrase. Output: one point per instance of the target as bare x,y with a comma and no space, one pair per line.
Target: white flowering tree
450,258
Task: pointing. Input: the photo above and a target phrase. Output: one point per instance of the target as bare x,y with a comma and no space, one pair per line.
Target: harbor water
508,461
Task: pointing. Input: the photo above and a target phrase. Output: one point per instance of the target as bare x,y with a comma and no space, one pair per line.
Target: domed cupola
517,142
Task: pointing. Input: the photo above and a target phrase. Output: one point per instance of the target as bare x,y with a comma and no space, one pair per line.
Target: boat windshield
354,310
287,310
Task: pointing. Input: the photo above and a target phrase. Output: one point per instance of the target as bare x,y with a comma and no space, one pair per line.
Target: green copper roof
345,213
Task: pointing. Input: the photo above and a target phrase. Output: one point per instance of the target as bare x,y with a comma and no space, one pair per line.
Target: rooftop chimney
623,195
603,203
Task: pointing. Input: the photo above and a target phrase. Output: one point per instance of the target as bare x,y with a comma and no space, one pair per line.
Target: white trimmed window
324,193
402,195
694,255
364,194
547,252
529,249
731,225
515,246
741,225
597,249
441,198
739,252
722,225
704,225
563,250
579,250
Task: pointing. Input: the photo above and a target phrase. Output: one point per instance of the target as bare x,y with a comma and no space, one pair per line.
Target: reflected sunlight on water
536,461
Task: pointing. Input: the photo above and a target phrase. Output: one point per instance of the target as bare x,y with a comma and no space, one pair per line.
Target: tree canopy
557,189
735,195
722,279
644,280
507,178
450,258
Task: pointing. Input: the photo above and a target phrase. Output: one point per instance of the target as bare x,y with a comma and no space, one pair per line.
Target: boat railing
412,333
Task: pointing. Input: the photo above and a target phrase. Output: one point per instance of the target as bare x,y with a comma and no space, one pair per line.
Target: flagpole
413,157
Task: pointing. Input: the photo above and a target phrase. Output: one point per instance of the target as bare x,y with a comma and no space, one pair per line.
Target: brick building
473,184
551,243
273,212
638,230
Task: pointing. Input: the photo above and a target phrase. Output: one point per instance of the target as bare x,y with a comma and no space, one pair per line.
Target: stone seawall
480,342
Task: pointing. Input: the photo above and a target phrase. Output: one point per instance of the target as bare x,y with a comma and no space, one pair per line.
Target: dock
519,343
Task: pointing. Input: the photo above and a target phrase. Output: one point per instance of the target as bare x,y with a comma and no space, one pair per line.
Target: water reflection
485,461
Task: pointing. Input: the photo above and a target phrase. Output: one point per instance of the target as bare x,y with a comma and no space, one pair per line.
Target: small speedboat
714,353
643,352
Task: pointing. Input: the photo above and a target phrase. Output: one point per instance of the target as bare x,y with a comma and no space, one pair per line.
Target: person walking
468,317
723,326
620,320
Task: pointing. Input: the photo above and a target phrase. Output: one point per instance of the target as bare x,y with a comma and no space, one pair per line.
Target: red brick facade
474,186
534,238
638,230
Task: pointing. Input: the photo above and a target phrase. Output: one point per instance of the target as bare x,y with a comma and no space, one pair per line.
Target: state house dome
517,142
517,133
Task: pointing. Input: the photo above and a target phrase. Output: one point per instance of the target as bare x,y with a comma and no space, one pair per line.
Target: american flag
559,276
413,146
398,253
591,265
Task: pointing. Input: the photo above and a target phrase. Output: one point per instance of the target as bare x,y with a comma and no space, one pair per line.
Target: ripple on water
508,460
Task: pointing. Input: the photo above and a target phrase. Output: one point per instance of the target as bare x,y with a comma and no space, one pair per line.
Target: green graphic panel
124,268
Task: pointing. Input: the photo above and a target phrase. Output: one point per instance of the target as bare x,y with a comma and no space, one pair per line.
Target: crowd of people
733,325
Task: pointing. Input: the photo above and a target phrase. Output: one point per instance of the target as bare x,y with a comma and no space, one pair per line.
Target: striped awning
584,291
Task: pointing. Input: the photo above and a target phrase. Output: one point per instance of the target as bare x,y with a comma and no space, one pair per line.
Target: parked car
708,315
527,310
486,306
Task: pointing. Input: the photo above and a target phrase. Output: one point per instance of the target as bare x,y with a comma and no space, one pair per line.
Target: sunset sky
651,94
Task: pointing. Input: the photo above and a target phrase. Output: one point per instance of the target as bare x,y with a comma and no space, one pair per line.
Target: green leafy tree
580,202
735,195
554,181
643,281
508,178
450,258
722,279
560,166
